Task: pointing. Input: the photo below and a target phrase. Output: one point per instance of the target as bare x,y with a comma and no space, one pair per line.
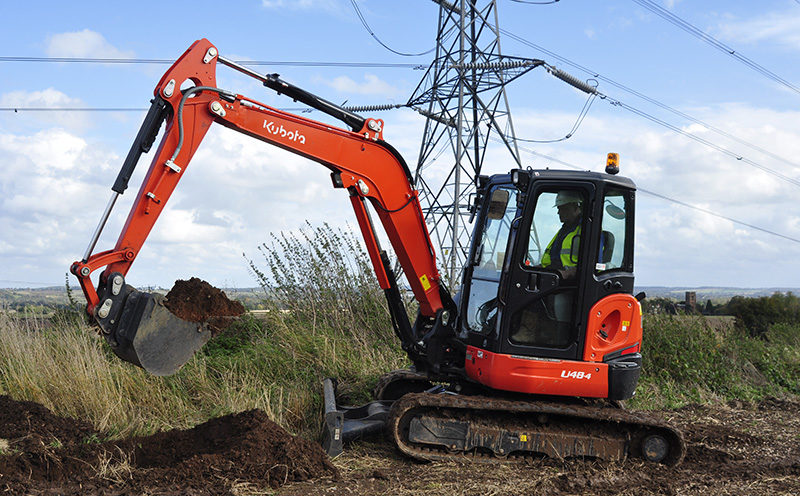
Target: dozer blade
142,331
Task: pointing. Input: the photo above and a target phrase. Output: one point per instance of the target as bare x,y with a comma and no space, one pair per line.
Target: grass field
328,319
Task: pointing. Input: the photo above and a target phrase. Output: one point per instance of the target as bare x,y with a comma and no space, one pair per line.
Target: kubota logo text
280,130
575,374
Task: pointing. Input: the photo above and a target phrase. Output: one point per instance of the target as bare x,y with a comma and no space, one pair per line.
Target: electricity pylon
463,97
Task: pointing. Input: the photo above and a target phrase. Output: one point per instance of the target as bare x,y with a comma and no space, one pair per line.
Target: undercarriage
439,424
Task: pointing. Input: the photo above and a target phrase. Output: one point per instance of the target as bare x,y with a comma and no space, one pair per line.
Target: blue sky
58,167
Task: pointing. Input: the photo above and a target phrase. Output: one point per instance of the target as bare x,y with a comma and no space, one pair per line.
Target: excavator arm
359,161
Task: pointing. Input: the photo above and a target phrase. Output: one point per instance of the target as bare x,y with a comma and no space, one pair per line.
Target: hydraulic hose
186,96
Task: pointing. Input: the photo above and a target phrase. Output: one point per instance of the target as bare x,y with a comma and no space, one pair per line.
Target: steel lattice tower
463,97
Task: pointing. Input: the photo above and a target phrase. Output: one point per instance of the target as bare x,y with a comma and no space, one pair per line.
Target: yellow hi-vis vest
566,249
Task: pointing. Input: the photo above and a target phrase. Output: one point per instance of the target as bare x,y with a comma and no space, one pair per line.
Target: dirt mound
196,300
31,436
246,446
25,425
211,458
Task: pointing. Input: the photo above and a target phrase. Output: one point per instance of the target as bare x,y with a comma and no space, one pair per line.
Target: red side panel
537,375
615,324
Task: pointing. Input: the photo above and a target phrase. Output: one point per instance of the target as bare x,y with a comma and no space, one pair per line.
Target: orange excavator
531,356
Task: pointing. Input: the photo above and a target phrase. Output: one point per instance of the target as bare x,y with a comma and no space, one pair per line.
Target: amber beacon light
612,163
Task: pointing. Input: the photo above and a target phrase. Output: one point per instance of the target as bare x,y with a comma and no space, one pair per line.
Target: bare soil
733,449
46,454
196,300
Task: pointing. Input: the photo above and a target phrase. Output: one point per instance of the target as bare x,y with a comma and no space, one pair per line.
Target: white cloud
182,226
47,153
86,43
55,183
234,192
45,98
49,191
48,98
782,28
372,86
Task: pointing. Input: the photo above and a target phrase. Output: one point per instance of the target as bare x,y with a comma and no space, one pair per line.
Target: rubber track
459,406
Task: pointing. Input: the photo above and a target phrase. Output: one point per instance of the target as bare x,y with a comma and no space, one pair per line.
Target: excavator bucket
142,331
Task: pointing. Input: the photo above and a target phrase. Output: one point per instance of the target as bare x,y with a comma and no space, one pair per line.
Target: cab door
480,300
543,288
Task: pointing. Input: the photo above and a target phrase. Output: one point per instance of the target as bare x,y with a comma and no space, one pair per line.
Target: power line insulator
438,118
372,108
449,6
512,64
572,80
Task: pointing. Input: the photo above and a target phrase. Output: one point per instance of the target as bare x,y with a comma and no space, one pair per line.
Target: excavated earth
196,300
733,449
46,454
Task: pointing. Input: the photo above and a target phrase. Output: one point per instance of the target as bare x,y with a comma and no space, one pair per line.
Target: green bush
758,314
687,360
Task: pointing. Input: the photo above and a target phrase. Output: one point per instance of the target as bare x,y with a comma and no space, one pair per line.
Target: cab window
489,258
611,254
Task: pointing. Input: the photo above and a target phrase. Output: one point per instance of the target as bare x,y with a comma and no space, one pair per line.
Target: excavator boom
359,160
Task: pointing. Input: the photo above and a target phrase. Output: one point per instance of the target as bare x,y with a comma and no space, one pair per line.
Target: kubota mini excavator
520,358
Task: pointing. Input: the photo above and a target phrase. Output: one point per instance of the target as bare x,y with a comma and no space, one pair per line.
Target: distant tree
758,314
659,305
709,309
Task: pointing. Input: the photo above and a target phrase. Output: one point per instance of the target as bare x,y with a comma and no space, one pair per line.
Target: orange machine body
619,318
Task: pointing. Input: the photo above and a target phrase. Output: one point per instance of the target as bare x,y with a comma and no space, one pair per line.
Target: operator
560,252
548,322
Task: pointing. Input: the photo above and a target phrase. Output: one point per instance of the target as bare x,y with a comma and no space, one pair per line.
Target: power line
384,45
641,113
672,200
627,89
529,2
698,33
701,209
578,122
702,123
703,141
580,119
295,63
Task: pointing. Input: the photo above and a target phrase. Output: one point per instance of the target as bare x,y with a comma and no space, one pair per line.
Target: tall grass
327,318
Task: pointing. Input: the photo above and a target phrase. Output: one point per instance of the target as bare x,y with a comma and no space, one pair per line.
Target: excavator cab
548,248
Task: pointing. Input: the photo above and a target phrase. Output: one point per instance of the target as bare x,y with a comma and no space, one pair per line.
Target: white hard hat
565,197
